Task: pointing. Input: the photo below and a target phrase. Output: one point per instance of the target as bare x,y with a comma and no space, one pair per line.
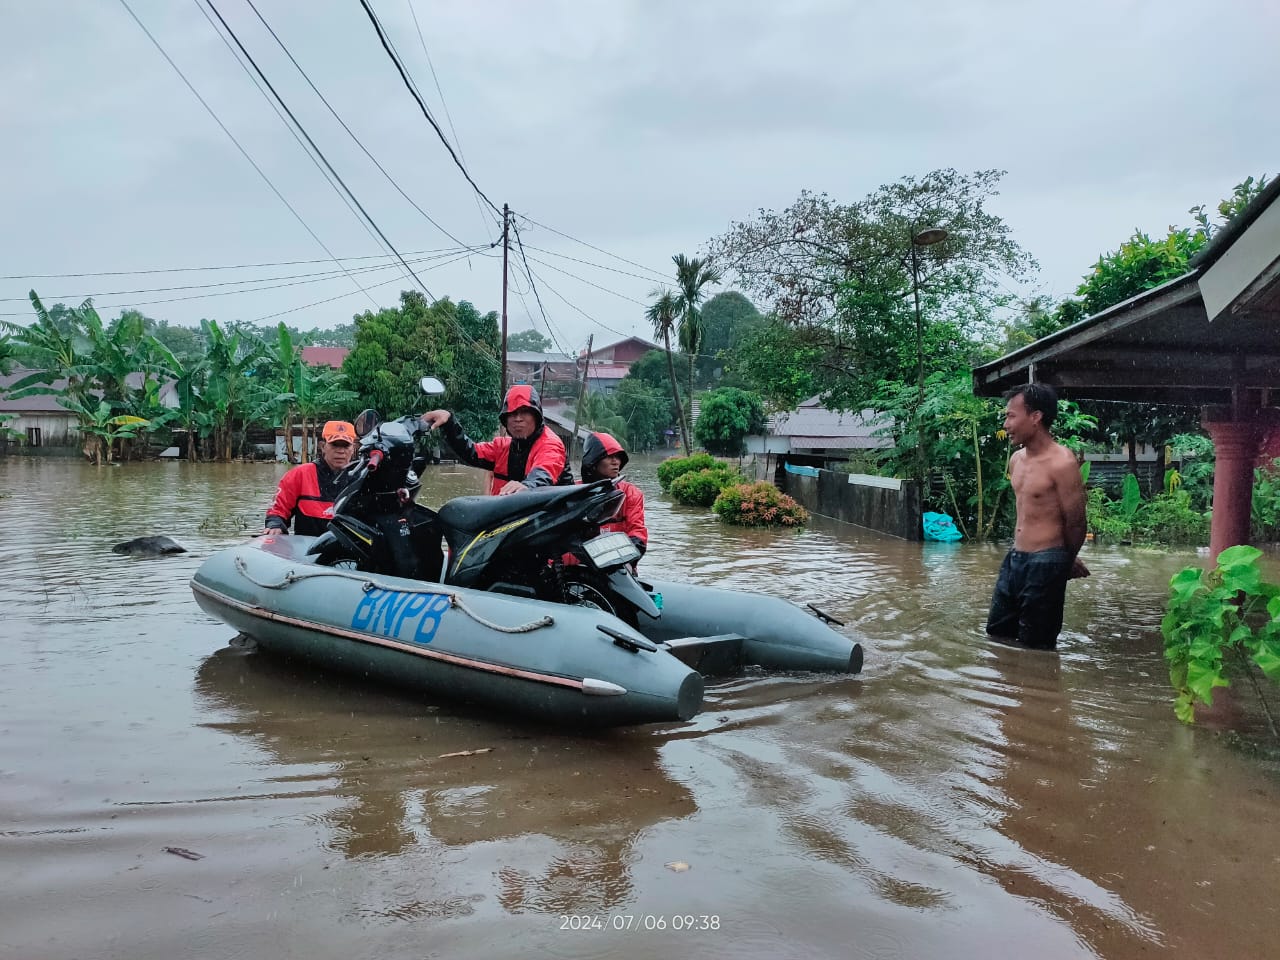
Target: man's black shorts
1030,591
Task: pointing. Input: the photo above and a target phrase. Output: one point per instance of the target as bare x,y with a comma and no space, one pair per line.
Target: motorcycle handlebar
375,458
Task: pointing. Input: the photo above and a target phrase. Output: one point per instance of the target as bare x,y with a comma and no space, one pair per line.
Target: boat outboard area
563,663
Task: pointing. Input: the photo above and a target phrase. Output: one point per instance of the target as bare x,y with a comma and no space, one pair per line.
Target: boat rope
367,584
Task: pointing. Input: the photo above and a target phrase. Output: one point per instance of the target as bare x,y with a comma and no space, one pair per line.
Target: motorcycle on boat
544,544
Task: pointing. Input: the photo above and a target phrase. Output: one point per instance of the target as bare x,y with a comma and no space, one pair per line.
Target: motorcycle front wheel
585,588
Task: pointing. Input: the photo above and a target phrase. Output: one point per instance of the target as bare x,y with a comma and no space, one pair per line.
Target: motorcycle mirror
367,420
431,386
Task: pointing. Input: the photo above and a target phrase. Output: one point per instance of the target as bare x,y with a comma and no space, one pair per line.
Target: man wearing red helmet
531,456
603,458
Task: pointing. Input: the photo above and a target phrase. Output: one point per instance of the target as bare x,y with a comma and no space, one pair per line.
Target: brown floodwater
958,799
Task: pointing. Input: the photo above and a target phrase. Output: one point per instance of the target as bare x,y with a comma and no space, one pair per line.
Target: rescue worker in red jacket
603,459
306,493
530,457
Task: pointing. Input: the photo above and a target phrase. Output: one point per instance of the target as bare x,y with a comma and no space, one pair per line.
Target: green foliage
397,346
727,416
1102,519
1170,518
646,411
700,488
529,340
758,505
674,467
1229,609
779,362
844,274
727,320
665,315
1265,515
1138,264
1130,498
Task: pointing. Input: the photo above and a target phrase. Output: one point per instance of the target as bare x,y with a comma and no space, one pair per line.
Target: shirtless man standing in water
1031,589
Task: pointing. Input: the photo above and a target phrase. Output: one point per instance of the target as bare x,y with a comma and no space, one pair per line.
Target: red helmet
522,395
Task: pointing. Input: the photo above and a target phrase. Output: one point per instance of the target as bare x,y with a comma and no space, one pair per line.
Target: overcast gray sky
642,127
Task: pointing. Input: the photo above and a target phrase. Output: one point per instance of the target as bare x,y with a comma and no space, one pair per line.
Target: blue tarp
801,471
939,526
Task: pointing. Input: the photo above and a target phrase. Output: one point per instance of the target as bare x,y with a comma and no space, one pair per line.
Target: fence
877,503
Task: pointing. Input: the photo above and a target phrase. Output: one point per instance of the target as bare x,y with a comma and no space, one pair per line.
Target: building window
33,436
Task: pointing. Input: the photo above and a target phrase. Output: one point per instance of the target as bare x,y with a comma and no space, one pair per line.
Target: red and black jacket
538,460
305,497
630,519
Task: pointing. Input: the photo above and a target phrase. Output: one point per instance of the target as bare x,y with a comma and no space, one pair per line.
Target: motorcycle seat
485,513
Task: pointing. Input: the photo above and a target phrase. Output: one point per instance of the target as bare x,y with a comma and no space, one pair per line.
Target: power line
239,146
321,274
440,93
656,273
534,287
350,132
621,296
386,45
281,117
224,293
573,305
229,266
301,129
592,263
316,303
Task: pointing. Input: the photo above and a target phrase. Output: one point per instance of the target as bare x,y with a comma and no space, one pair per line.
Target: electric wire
232,138
328,178
129,304
383,283
395,59
440,93
321,274
622,296
229,266
301,129
657,274
591,263
350,132
534,287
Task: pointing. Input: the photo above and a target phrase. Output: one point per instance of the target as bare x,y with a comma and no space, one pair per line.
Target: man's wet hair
1038,396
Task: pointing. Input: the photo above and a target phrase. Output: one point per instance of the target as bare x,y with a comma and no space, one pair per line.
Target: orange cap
338,430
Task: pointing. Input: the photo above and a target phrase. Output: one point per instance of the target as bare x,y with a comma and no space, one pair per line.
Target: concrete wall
830,494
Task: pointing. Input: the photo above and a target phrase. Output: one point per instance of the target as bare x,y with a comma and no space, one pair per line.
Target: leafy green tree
664,314
693,275
529,340
397,346
228,397
726,418
781,363
646,411
279,377
843,273
342,335
728,319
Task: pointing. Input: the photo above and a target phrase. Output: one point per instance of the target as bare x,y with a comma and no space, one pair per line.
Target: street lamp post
924,238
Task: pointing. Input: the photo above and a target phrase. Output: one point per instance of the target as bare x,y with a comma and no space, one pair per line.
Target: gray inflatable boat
557,662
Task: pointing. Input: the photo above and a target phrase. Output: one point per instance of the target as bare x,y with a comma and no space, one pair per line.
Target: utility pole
506,246
582,393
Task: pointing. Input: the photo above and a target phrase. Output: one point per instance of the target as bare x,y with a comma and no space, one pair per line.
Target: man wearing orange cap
306,493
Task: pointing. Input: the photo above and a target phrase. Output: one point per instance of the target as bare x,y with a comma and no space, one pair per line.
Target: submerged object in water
149,547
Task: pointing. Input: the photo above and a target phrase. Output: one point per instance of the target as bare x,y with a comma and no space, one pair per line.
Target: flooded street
958,799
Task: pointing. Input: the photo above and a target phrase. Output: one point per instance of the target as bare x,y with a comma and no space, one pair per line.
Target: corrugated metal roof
324,356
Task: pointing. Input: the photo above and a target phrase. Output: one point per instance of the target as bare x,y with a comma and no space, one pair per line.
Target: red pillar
1235,447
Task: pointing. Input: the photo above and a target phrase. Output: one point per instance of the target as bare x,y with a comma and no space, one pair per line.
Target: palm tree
692,274
664,314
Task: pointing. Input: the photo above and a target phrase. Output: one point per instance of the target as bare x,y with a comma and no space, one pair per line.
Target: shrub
701,487
1102,519
673,467
759,505
1169,518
